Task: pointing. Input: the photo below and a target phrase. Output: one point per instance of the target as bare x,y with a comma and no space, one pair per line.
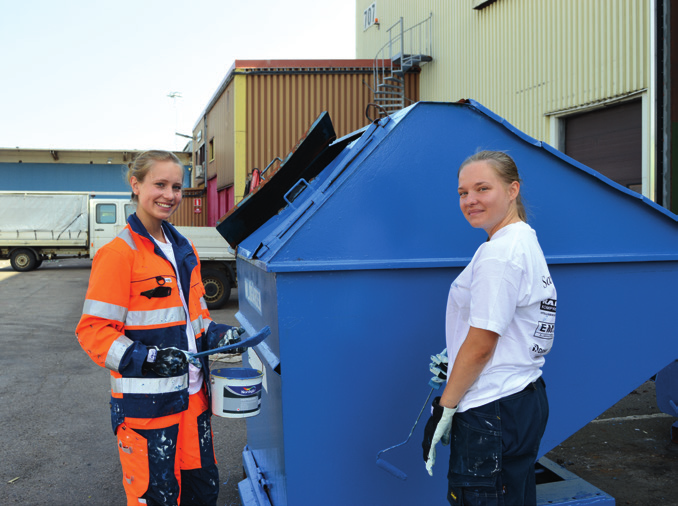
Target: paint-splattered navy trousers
494,448
170,458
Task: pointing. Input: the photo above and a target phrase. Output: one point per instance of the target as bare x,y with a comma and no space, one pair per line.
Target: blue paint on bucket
236,392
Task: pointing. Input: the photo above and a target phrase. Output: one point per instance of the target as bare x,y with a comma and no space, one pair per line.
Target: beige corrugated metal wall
282,105
524,59
220,131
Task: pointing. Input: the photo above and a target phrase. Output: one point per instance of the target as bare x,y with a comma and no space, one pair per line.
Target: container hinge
257,494
262,349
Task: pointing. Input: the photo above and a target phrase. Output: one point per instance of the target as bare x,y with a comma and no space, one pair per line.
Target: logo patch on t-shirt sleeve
548,305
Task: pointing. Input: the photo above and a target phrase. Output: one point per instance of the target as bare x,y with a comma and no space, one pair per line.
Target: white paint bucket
236,392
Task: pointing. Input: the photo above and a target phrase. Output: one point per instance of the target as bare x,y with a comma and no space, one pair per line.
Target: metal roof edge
336,63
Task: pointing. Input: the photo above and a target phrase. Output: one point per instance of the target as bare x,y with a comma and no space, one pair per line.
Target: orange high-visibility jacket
128,308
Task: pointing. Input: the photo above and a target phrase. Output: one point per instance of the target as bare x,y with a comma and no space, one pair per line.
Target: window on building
105,213
211,150
200,155
609,140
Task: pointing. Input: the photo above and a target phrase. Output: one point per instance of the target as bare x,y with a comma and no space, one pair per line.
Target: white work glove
231,336
437,429
438,367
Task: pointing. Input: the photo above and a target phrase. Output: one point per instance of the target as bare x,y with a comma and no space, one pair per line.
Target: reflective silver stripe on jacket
203,304
155,317
149,385
206,323
198,325
116,351
104,310
126,236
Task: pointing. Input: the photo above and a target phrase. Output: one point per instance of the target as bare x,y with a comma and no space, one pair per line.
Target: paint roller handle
247,343
390,468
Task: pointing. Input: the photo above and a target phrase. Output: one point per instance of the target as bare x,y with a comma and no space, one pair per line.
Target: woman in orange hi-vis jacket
144,308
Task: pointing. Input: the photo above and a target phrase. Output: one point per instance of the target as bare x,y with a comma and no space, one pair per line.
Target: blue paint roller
390,468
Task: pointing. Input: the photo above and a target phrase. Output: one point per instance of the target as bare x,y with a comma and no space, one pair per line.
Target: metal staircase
405,51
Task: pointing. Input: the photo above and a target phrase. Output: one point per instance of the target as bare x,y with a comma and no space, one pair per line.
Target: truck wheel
23,260
217,288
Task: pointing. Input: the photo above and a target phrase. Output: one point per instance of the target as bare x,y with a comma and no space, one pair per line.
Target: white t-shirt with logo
195,376
507,289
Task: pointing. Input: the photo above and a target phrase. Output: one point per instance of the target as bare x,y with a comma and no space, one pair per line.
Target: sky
97,74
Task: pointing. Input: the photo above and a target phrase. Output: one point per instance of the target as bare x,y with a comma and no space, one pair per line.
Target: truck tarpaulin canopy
58,216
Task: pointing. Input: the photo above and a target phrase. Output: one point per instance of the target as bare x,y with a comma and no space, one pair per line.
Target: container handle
377,106
269,166
296,194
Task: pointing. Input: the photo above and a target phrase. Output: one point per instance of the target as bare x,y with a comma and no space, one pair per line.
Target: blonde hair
505,168
144,162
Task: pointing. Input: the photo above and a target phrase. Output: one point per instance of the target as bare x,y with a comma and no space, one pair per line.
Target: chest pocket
156,287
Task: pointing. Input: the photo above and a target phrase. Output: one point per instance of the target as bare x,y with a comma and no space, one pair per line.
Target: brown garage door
609,140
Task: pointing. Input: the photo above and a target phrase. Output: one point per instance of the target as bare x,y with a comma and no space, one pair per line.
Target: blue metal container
666,384
352,277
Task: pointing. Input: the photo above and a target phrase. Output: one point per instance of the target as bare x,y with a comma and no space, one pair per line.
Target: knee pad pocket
133,450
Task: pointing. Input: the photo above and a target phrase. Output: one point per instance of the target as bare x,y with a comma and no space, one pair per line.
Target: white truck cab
37,226
107,218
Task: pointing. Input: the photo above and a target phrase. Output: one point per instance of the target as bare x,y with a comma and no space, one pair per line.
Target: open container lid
311,154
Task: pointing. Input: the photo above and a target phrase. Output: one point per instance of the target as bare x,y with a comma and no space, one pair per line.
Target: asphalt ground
58,447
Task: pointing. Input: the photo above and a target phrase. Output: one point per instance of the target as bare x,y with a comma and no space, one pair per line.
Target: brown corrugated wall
279,102
283,103
185,215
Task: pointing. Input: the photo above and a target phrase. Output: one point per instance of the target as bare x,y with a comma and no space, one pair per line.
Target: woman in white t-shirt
499,325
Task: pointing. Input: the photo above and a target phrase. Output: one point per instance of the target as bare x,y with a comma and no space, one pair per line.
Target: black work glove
232,336
165,362
429,430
